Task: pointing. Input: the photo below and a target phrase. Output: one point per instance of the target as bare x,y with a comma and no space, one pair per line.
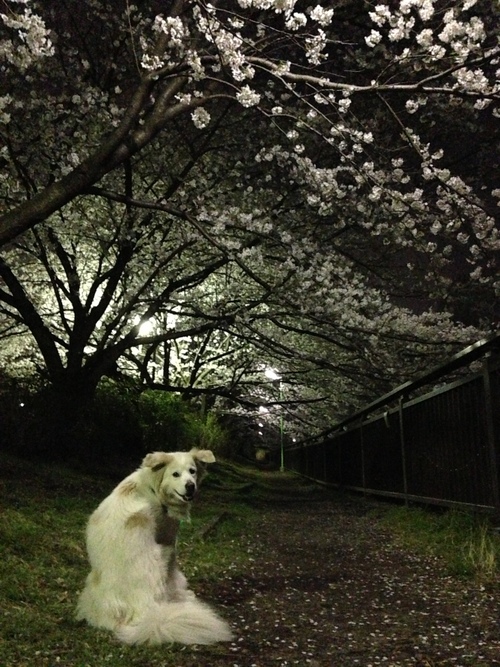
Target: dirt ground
327,586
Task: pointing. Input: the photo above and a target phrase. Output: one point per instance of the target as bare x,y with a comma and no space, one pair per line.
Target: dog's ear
203,455
157,460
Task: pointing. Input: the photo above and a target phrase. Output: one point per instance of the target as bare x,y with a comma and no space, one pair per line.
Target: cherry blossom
287,181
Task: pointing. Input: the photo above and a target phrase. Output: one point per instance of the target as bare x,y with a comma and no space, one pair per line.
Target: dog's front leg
176,585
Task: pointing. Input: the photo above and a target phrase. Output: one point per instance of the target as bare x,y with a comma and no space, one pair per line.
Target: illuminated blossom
201,117
248,97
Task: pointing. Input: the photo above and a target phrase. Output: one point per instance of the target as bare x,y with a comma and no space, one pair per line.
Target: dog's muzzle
189,493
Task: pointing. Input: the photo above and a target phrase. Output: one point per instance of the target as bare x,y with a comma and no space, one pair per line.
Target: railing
441,448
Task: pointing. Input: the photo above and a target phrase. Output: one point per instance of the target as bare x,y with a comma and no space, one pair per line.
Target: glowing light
147,327
272,374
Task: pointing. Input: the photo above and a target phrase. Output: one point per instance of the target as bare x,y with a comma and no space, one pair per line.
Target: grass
463,539
43,564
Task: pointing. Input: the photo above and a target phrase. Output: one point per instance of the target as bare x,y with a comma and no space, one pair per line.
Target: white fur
135,588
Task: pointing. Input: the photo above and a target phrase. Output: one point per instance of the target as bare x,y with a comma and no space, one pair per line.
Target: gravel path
325,585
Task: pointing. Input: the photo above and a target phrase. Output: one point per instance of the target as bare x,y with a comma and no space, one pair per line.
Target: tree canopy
196,192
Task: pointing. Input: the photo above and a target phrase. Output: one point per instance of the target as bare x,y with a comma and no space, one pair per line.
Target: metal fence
441,448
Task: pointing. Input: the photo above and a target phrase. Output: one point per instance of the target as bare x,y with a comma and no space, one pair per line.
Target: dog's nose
190,489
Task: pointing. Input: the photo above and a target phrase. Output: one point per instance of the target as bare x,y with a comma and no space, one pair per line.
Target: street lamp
146,327
273,375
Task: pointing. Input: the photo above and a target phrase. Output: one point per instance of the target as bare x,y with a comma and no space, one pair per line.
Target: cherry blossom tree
279,176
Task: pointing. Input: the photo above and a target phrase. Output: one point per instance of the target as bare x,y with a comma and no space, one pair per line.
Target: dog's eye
176,474
192,471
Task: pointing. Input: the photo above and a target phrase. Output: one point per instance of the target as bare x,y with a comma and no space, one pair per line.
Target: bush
170,423
166,421
213,436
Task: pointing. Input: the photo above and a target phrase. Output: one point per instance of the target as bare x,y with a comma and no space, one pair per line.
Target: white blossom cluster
175,49
383,202
454,36
233,44
176,34
278,6
229,46
315,47
173,28
31,39
231,51
201,118
317,13
247,97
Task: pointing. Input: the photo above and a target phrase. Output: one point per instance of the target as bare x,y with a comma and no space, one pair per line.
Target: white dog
135,588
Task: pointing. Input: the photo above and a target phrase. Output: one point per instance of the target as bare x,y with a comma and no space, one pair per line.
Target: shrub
170,423
165,421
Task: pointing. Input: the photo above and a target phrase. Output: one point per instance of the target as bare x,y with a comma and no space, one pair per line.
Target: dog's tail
186,622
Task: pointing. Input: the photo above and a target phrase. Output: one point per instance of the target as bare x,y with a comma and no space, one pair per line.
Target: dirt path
325,585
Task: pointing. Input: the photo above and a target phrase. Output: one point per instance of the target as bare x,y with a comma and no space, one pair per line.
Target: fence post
403,449
363,467
340,464
324,461
490,430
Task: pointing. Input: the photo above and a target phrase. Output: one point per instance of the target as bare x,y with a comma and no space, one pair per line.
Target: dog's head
177,475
